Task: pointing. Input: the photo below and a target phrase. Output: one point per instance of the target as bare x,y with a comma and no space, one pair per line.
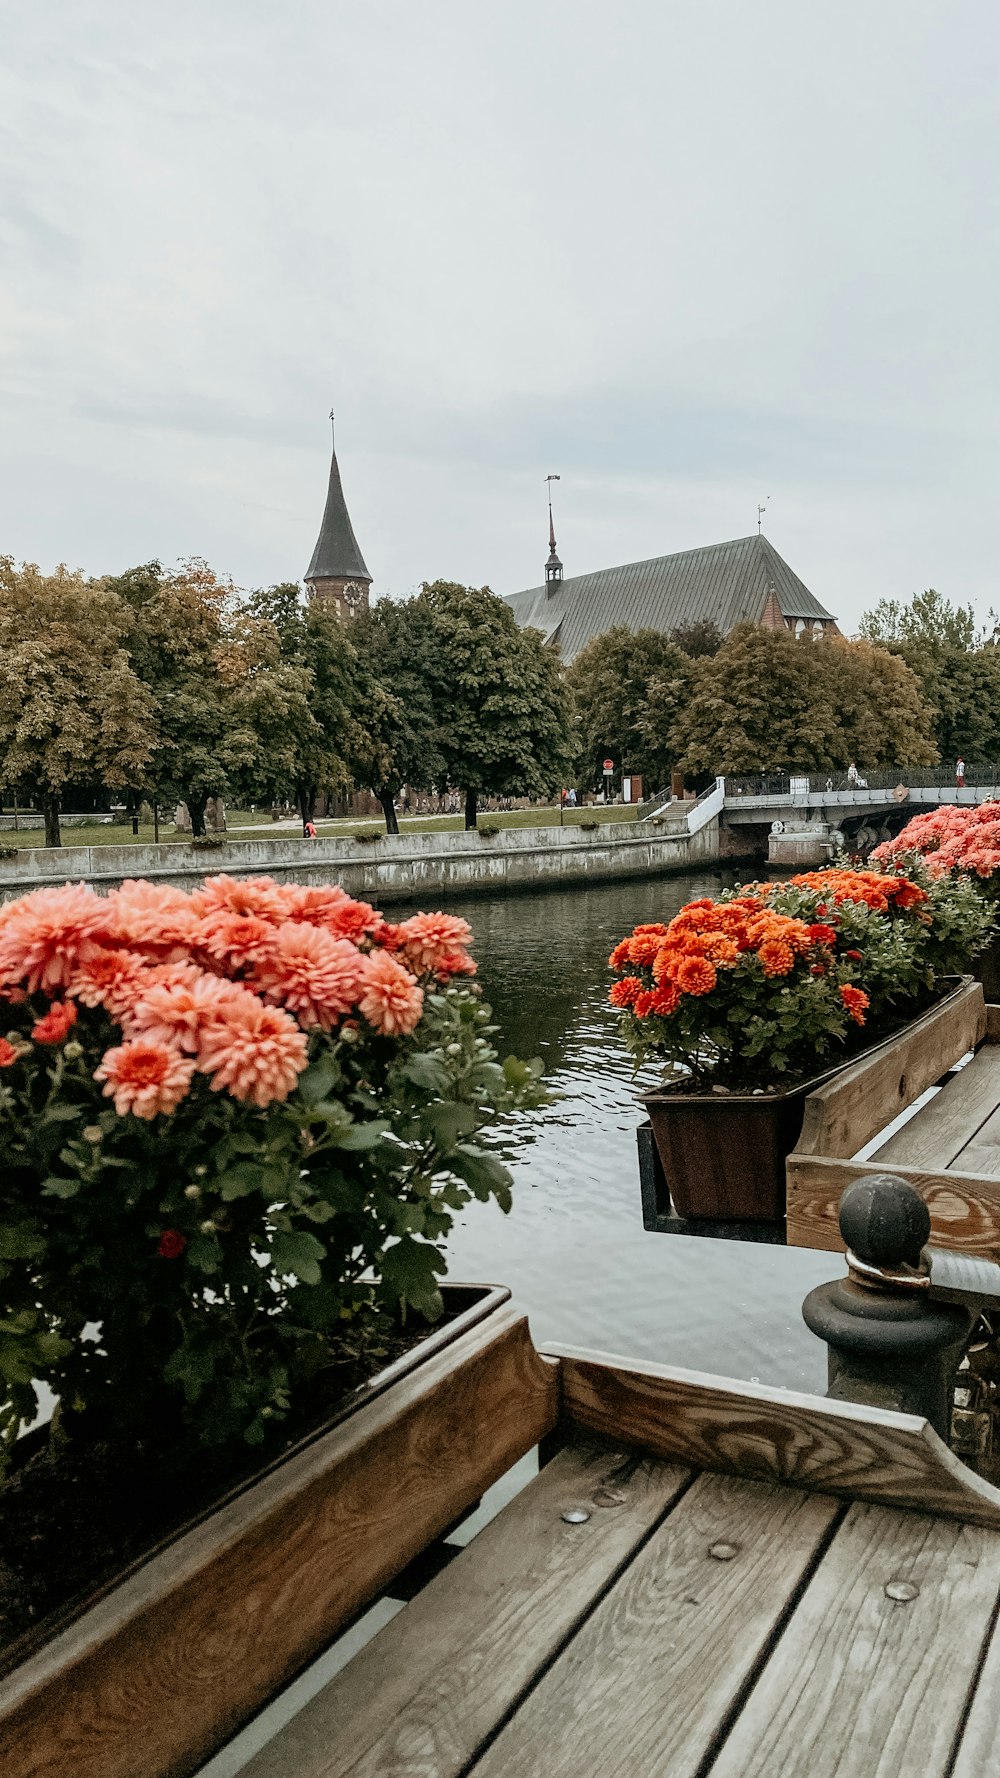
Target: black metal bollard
891,1345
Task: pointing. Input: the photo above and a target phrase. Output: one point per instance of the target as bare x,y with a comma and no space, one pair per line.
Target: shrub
231,1121
589,826
211,842
369,838
8,852
772,981
487,831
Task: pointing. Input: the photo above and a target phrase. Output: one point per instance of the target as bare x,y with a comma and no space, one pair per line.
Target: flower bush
230,1122
773,981
951,839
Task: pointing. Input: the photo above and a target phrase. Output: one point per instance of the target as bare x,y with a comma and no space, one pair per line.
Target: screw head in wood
723,1551
575,1515
902,1591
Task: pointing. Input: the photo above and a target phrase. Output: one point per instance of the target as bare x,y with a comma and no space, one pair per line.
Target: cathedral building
337,572
726,584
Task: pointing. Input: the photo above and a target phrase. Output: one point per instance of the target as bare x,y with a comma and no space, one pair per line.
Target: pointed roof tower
337,563
553,567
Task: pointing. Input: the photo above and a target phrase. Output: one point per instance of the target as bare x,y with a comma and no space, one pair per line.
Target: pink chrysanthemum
145,1078
436,942
351,919
392,1001
154,918
256,1054
313,904
178,1012
225,895
316,976
47,934
235,940
56,1024
112,979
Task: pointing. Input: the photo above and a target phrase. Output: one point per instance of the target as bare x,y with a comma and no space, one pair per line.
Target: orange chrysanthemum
258,895
112,979
56,1024
145,1078
256,1053
625,992
695,975
8,1054
392,1001
436,942
776,957
178,1012
235,940
316,976
856,1002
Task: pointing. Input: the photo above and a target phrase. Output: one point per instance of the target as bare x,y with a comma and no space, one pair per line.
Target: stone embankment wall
396,867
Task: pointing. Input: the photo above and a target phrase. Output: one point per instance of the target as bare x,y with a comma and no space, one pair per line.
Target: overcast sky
686,253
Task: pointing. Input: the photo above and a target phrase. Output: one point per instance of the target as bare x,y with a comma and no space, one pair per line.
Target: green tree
698,638
763,704
884,717
929,617
71,707
319,698
629,687
395,641
958,668
504,714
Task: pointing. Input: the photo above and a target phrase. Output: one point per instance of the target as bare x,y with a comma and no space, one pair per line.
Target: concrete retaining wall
395,867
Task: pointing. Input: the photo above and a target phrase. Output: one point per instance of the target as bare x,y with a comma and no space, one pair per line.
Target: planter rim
38,1637
663,1096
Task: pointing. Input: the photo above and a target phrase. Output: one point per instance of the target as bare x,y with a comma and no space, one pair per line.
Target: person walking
310,830
959,774
852,775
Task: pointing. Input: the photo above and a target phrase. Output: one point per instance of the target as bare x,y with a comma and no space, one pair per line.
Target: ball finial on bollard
884,1221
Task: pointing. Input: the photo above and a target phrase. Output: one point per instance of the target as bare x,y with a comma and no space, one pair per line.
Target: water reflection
573,1248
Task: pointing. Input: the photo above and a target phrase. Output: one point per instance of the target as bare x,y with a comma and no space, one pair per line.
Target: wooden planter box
153,1678
723,1156
949,1151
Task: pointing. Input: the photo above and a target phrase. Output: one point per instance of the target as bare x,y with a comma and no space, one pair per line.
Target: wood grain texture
943,1127
993,1023
171,1664
665,1656
978,1754
862,1686
832,1447
964,1207
437,1680
846,1113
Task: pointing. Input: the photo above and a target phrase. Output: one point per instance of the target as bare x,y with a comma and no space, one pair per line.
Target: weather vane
761,510
552,536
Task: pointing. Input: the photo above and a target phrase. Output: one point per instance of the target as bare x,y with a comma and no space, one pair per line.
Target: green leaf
482,1172
358,1137
204,1252
409,1275
60,1188
447,1121
61,1114
316,1082
245,1177
299,1254
426,1070
21,1240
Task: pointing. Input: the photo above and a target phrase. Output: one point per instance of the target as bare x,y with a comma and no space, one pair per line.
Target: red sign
609,765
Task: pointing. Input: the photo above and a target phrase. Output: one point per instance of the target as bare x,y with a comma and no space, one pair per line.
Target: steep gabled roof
336,555
726,583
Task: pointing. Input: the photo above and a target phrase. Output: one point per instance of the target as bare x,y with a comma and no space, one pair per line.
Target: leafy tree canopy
629,687
71,706
928,618
699,638
395,641
503,712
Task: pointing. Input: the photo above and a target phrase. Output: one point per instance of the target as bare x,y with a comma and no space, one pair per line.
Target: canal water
573,1248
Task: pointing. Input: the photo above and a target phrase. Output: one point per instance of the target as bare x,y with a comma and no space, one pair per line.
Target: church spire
337,571
553,567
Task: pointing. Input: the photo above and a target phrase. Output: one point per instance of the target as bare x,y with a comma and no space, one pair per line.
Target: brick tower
337,572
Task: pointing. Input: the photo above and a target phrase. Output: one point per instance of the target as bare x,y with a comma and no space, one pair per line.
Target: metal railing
878,779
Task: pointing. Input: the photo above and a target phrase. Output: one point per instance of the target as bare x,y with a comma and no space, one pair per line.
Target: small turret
337,572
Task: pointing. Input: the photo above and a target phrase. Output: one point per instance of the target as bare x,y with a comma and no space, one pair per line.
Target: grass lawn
244,825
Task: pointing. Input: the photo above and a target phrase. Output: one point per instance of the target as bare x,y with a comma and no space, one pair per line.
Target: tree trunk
387,800
305,796
50,809
470,808
196,810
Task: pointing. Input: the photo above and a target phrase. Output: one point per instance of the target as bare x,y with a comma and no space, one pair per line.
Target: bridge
807,817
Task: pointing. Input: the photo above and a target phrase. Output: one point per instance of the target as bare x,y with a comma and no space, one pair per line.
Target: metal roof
336,555
725,583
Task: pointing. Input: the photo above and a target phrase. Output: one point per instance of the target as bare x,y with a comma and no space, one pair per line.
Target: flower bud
92,1133
208,1227
72,1050
192,1191
199,1172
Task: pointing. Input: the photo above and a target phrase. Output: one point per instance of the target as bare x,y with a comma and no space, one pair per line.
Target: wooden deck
630,1615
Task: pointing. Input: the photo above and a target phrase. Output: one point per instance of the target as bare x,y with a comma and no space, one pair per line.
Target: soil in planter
74,1515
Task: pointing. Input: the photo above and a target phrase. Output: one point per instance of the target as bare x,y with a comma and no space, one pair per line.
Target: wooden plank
863,1686
176,1659
665,1656
977,1752
993,1024
964,1207
438,1680
980,1160
853,1107
833,1447
943,1127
